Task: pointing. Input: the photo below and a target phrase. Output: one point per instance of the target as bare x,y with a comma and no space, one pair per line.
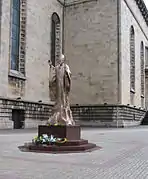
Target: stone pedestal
68,132
74,142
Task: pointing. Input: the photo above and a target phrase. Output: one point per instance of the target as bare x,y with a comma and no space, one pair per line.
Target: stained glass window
15,35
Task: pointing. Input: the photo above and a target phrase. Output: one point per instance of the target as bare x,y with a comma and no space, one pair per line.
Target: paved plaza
124,154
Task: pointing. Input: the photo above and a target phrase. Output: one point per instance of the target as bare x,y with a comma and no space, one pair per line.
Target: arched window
132,59
55,38
132,65
142,72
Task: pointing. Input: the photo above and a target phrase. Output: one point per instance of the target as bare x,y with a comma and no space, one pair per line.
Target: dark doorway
18,118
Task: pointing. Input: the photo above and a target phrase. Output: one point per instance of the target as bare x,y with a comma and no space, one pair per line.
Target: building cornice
67,3
140,3
143,9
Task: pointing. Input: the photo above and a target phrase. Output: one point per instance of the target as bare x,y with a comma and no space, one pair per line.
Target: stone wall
34,85
35,113
0,19
91,51
4,51
39,47
146,89
107,115
91,115
131,16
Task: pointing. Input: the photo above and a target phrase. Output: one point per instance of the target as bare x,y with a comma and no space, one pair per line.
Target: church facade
105,44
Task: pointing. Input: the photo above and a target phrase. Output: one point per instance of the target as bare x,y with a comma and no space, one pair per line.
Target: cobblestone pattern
123,155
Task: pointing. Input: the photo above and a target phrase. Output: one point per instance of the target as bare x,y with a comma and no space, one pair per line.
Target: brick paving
124,154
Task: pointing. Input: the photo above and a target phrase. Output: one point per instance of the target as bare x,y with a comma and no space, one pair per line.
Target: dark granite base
68,132
72,145
68,147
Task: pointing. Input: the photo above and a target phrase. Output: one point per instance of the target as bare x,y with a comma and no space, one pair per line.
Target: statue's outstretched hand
51,65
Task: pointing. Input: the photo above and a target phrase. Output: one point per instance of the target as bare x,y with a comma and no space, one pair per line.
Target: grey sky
146,2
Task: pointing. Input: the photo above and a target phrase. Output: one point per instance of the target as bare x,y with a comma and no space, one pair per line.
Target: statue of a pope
62,80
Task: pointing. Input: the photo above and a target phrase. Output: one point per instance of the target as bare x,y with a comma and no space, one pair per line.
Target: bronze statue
61,85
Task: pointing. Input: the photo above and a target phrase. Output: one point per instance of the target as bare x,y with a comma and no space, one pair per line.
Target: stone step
57,149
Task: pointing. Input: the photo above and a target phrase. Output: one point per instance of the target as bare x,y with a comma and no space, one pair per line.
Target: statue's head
62,58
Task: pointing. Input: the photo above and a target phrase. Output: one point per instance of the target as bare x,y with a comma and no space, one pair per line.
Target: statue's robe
62,112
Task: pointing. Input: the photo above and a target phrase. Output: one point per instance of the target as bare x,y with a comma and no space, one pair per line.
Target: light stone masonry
96,43
127,20
38,29
91,49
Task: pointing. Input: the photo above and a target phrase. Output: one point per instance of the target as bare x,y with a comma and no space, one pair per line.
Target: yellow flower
41,137
63,141
36,137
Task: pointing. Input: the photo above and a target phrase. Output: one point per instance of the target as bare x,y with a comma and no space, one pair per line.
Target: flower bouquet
48,140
